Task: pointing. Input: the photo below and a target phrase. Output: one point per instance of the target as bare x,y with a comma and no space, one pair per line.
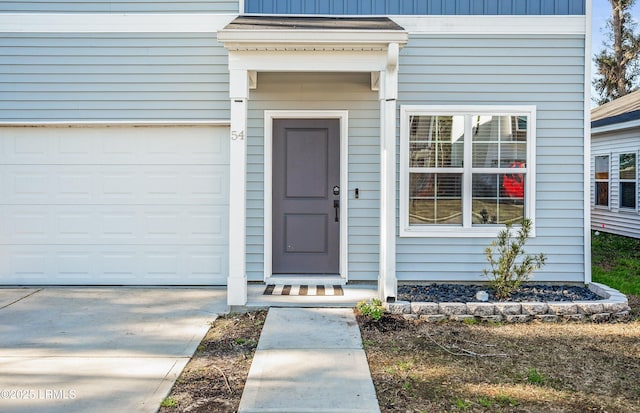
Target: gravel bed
463,293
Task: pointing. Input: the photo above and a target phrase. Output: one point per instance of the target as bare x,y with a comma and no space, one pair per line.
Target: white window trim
595,181
465,230
620,181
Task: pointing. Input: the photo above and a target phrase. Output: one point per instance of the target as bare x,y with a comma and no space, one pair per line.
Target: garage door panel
209,185
118,225
115,145
27,224
116,264
161,225
38,224
74,185
24,185
72,225
117,184
207,226
30,147
105,225
206,263
26,263
75,262
185,185
119,263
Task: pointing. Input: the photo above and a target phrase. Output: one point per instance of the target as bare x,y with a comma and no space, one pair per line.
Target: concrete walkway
309,360
98,349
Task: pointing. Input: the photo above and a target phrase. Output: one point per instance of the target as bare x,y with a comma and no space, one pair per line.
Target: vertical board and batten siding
417,7
115,76
613,219
344,91
542,70
120,6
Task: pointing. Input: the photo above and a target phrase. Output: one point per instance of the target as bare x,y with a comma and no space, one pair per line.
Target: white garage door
114,205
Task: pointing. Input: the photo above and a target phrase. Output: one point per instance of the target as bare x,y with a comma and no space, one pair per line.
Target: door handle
336,207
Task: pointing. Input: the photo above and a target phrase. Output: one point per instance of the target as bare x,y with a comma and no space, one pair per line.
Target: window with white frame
465,170
628,181
601,177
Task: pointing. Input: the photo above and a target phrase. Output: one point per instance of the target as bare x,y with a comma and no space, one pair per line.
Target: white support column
383,187
388,283
237,280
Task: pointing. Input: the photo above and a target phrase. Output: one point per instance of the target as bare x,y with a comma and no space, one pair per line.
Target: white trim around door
269,116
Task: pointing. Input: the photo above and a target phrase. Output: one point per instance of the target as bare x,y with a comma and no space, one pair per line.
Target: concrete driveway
98,349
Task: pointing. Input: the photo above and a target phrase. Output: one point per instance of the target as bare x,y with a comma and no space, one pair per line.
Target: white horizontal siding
120,6
313,91
543,70
134,76
613,219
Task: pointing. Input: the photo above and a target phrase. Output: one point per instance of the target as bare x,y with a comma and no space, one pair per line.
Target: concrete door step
306,279
352,294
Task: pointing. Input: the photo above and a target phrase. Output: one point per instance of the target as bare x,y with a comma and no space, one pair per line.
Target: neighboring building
204,142
615,149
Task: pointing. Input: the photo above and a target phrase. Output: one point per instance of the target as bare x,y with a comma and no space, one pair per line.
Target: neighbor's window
628,183
465,170
602,180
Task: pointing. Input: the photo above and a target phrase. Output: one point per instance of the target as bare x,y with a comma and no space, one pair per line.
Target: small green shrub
368,343
169,402
504,400
405,365
373,309
510,264
463,404
535,377
485,402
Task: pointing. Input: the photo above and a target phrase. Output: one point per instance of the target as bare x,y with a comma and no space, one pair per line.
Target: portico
311,45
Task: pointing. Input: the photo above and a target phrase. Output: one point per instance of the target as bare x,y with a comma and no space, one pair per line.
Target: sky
601,12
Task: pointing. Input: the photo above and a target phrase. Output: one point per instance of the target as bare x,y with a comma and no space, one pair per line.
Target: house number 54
237,135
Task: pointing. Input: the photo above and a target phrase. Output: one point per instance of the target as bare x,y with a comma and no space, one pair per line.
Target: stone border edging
614,306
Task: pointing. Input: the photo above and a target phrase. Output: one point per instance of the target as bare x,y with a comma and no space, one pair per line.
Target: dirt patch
214,378
634,303
455,367
447,367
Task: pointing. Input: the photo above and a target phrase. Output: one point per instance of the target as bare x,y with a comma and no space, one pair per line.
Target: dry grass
214,378
564,367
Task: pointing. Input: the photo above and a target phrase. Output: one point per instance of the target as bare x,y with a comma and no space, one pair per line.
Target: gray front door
306,179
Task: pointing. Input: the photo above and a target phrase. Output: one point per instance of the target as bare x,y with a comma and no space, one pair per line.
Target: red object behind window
513,184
